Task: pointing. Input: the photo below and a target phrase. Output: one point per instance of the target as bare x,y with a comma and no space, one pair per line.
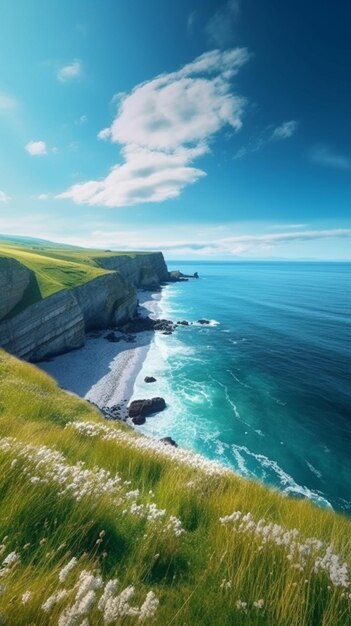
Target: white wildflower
26,597
149,606
54,599
118,606
241,606
259,604
109,591
67,569
225,584
11,558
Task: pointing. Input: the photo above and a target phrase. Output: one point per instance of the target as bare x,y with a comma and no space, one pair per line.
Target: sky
208,129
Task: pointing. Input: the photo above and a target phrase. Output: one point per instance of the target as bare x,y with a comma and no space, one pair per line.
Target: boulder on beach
138,420
146,407
168,441
149,379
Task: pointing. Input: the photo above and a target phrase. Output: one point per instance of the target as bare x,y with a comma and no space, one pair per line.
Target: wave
287,484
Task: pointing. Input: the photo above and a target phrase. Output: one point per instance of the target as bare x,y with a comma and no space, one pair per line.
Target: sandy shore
101,371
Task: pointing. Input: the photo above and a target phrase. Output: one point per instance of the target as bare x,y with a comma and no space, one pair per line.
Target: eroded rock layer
58,323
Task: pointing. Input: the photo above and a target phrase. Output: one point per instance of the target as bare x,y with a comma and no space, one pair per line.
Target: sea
265,387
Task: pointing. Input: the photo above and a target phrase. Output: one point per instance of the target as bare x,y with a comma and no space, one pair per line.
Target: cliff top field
55,267
99,524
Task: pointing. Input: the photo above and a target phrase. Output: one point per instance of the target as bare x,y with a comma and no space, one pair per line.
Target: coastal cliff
147,270
14,280
58,323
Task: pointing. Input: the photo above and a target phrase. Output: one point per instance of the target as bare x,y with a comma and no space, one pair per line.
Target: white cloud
268,134
81,120
209,244
162,126
36,148
145,176
220,27
105,133
285,130
7,102
43,196
190,22
322,155
4,198
70,71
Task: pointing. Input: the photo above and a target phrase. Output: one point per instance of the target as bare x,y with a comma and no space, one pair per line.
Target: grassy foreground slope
101,526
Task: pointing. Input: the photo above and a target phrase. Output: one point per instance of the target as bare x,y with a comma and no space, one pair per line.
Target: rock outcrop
58,323
144,407
14,280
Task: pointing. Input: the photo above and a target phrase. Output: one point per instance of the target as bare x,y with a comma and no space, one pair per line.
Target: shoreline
105,372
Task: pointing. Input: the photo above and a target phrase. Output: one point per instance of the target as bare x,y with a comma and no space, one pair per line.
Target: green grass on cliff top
81,492
55,268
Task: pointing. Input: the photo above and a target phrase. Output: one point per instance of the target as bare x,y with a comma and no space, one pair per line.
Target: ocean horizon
263,388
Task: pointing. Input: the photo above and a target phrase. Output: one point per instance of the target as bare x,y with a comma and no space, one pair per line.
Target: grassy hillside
55,268
101,526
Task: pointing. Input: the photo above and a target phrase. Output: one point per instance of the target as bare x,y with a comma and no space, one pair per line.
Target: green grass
47,524
56,268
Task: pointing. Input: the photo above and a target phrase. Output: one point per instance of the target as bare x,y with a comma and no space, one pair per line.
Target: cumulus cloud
36,148
220,27
322,155
163,125
4,198
69,71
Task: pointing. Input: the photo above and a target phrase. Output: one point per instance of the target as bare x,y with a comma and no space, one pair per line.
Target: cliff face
53,325
147,270
14,280
58,323
106,300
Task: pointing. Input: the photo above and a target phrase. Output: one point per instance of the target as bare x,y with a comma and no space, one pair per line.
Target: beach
103,371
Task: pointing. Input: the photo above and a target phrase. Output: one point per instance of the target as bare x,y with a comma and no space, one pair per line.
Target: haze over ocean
265,388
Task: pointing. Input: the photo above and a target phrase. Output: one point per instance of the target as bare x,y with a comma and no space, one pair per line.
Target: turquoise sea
266,387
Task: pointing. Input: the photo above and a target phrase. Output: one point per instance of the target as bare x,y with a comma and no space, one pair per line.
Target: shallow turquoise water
266,388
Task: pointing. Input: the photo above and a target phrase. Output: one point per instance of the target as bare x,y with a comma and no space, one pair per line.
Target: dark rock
111,412
183,323
167,332
138,420
175,276
141,324
146,407
203,321
130,338
169,441
111,337
149,379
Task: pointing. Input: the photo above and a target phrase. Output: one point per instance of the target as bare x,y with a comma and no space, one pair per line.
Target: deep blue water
267,389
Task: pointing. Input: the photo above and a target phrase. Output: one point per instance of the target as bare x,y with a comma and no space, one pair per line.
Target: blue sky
204,128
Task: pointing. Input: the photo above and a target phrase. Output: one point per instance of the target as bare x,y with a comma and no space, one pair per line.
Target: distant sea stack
59,322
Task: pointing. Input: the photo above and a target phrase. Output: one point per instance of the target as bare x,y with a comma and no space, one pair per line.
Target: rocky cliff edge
59,322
